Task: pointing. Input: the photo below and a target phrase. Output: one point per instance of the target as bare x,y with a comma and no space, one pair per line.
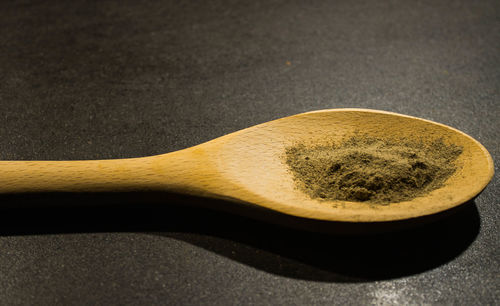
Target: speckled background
112,79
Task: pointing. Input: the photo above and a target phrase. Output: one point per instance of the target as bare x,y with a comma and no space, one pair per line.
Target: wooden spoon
248,167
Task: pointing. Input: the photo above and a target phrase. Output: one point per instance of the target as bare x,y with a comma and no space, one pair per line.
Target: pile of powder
363,168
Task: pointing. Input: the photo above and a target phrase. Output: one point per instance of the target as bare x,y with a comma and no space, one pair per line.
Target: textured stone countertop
114,79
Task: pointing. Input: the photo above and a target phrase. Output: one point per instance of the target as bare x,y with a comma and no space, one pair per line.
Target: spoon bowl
249,167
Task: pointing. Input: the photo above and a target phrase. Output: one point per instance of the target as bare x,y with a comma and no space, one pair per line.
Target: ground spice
363,168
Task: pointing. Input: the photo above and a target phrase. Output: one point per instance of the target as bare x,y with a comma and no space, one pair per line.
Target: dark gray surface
109,79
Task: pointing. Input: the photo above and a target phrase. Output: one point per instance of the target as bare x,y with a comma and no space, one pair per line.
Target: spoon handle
160,172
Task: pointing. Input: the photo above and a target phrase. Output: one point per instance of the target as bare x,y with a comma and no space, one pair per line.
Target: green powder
363,168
